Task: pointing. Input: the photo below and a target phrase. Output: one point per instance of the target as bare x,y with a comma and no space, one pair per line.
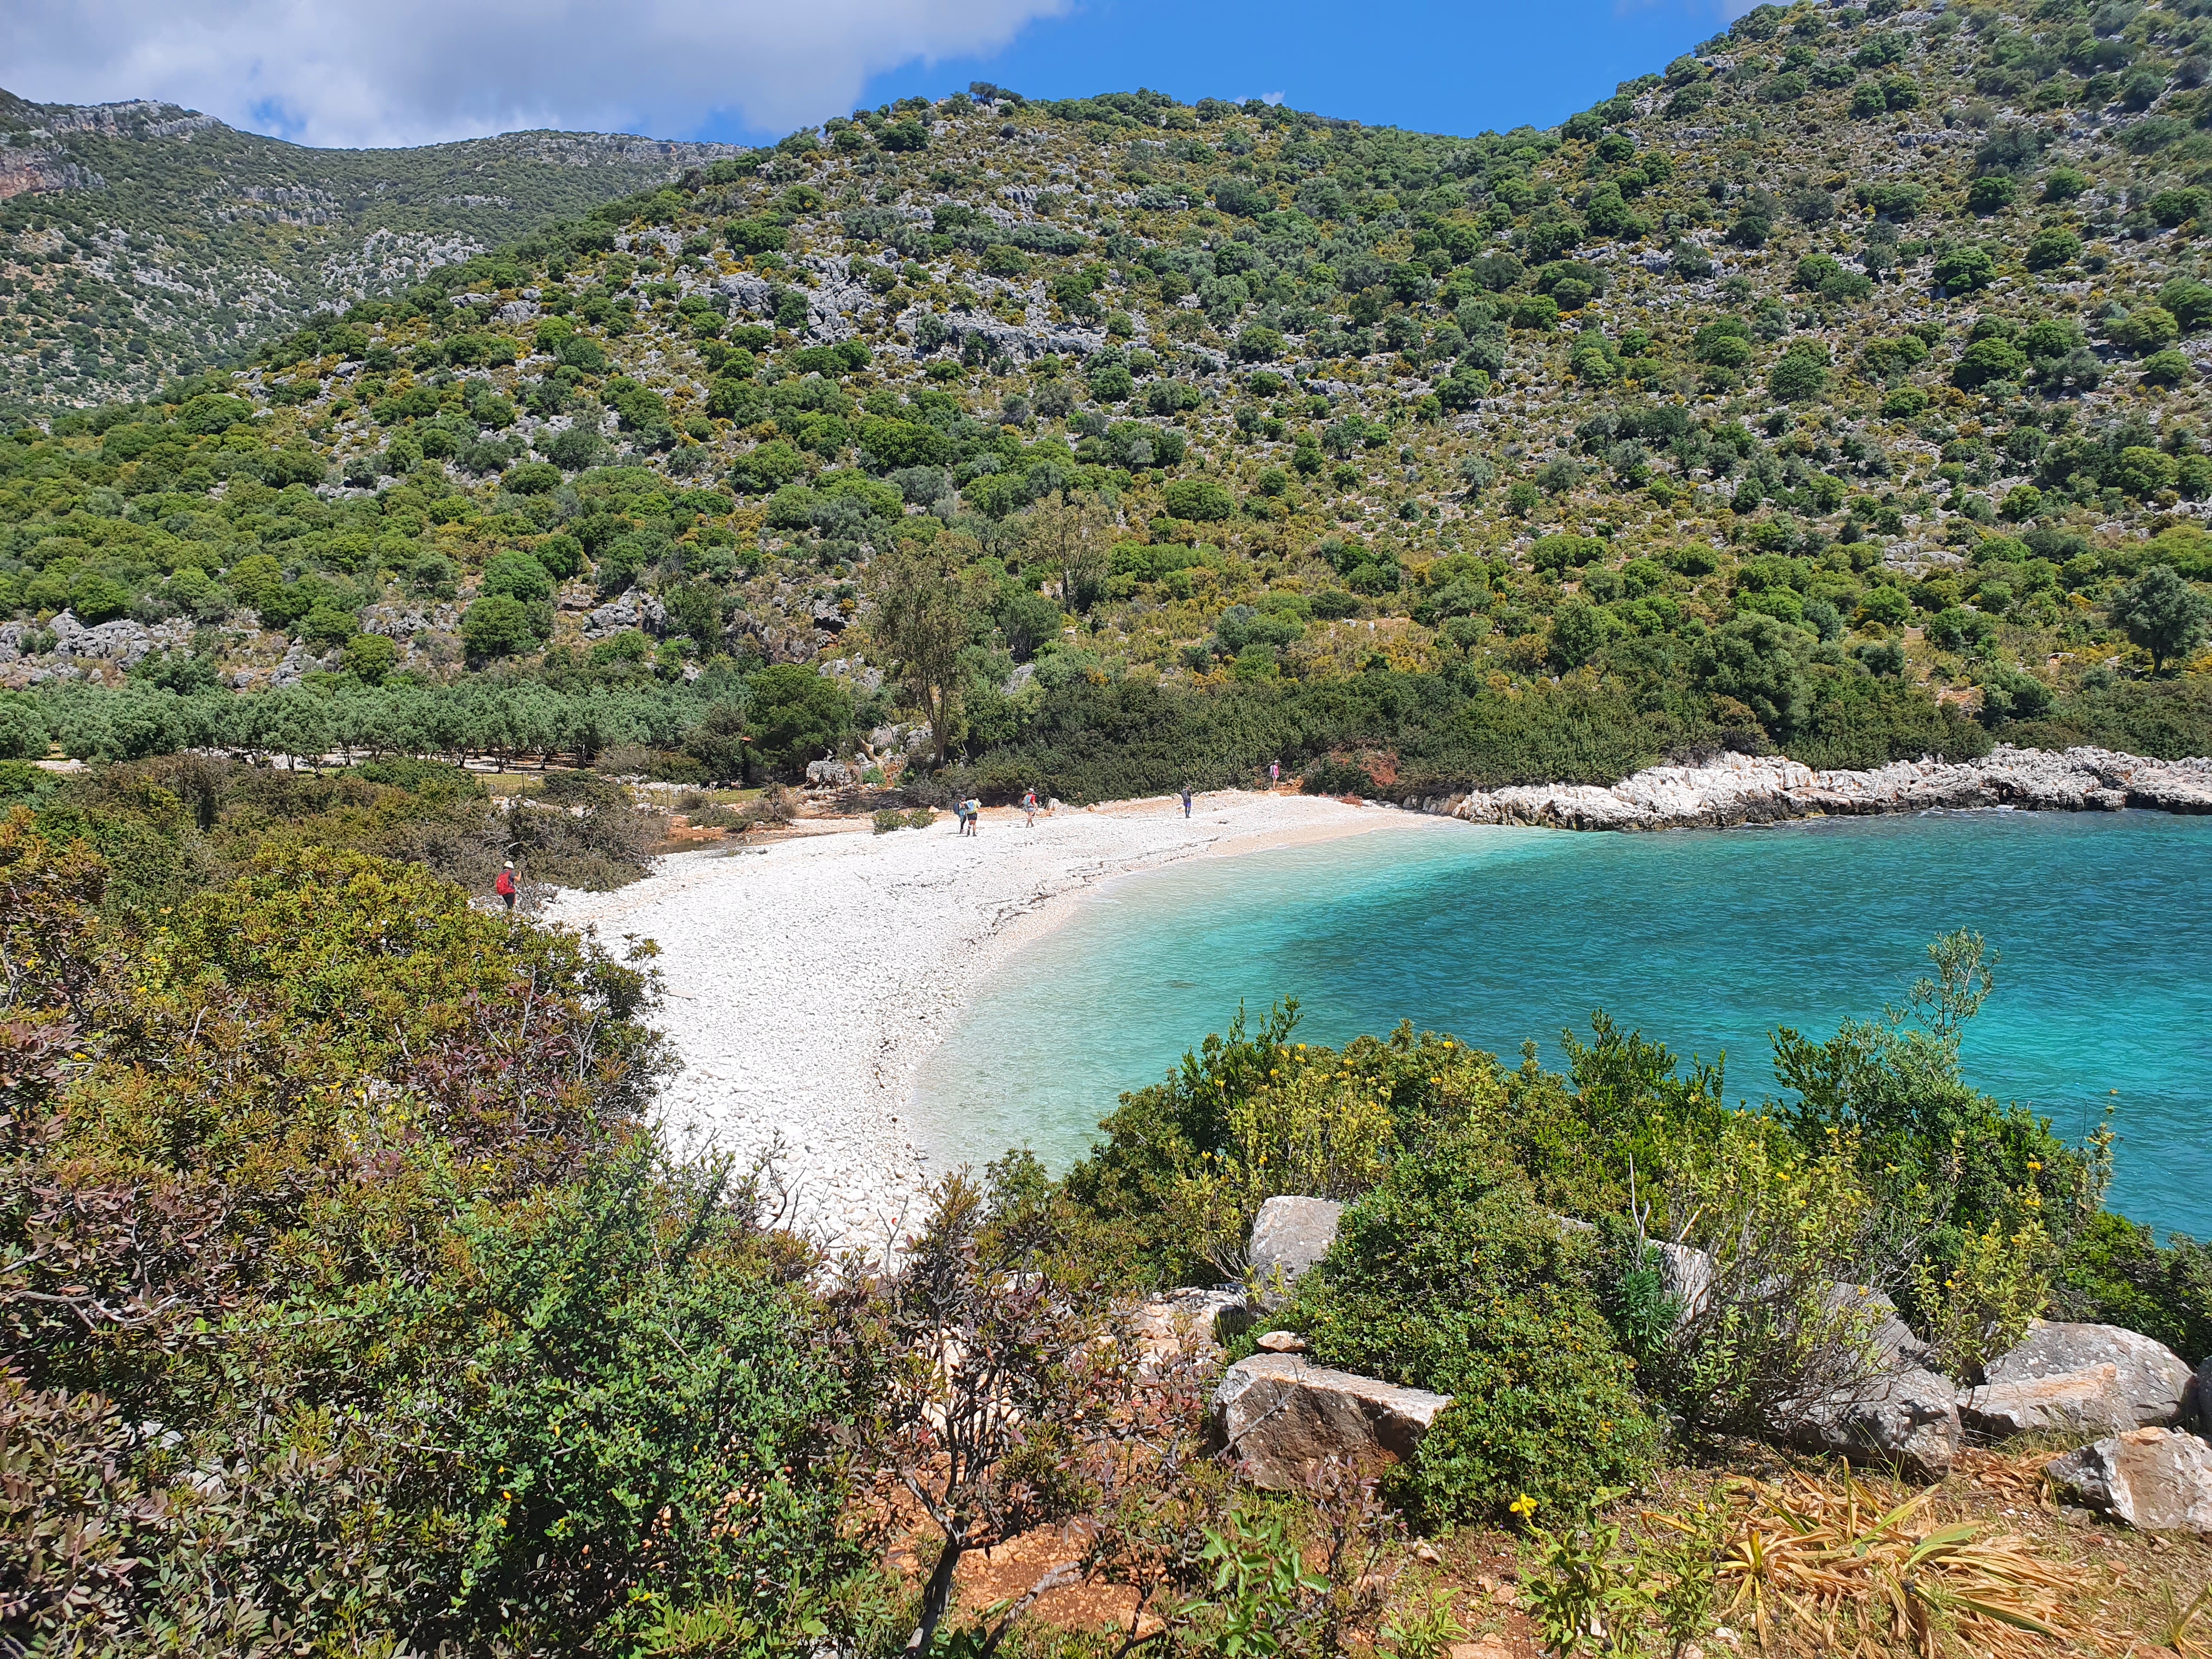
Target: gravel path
806,981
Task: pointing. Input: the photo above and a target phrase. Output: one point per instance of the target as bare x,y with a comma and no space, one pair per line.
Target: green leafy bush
1449,1276
476,1367
2115,1272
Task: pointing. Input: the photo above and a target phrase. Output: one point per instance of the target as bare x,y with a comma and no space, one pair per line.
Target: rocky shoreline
1741,789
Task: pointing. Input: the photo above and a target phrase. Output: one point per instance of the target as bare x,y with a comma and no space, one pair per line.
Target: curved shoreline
1742,789
807,980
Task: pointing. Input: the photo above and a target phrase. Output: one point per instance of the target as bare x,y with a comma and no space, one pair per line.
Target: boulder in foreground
1908,1416
2149,1382
2155,1480
2088,1401
1284,1416
1289,1235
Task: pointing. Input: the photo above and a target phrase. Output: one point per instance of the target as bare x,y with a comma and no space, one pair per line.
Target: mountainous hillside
1838,390
136,238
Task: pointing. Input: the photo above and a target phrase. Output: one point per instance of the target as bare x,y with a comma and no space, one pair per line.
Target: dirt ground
2114,1593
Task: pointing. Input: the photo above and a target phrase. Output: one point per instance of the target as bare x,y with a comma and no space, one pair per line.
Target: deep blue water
1704,941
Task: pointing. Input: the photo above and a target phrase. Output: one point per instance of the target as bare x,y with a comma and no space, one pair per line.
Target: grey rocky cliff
1737,789
632,608
121,642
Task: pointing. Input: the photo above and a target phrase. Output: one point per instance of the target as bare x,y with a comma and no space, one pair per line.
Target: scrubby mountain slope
1836,391
138,237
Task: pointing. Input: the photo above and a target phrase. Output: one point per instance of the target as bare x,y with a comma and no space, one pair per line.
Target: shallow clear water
1706,941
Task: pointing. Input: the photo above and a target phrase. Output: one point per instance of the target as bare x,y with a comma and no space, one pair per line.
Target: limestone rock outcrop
1282,1416
626,611
1289,1236
1736,789
2157,1479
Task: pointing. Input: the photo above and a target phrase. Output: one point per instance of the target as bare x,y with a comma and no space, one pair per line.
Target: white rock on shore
1738,789
806,981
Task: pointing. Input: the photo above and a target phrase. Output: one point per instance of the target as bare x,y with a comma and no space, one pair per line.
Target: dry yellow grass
1829,1560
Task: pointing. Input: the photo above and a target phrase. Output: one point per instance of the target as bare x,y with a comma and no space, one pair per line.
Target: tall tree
1070,532
924,616
2165,614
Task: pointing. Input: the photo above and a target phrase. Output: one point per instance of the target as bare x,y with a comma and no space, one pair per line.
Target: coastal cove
1706,940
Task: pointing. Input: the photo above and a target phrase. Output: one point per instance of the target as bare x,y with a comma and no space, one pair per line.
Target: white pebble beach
807,979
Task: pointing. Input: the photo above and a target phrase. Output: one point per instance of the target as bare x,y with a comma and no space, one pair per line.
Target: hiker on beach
505,885
1185,800
1274,772
972,810
1029,806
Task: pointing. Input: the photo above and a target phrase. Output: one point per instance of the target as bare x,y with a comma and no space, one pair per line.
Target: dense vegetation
1877,1164
1831,392
351,1306
137,240
347,1292
1834,391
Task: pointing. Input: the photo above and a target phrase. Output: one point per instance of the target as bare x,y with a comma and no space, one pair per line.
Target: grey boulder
2149,1382
1908,1416
1288,1237
2203,1405
2086,1402
2155,1480
1283,1417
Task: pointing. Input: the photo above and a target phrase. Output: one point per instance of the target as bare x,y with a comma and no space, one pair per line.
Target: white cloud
418,71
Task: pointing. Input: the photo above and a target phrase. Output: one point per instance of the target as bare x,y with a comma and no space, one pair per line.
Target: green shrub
478,1367
1199,499
1449,1276
2116,1272
519,576
497,626
797,716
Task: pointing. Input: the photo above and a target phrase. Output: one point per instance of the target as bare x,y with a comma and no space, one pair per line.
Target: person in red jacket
505,886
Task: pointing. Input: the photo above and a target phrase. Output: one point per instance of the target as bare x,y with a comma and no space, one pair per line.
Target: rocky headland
1739,789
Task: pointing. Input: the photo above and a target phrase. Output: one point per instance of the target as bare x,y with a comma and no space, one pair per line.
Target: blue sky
1440,67
417,71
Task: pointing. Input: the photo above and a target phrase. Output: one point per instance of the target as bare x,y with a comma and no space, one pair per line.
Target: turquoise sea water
1706,941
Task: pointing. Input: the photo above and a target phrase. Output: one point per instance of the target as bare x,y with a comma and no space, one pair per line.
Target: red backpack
505,885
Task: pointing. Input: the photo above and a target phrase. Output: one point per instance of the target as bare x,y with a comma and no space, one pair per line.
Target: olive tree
2163,612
